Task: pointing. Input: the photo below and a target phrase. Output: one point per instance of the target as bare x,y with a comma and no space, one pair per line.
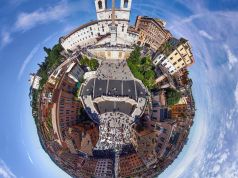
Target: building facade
34,81
65,108
175,55
161,59
98,31
75,72
145,145
179,111
164,131
88,168
104,168
152,32
130,165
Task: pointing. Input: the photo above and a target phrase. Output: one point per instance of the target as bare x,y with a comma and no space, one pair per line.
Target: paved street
114,70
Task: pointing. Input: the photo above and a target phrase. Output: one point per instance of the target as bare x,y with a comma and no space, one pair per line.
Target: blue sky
211,27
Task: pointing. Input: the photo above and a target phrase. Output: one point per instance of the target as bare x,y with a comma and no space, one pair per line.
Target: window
179,60
100,4
125,3
162,139
160,145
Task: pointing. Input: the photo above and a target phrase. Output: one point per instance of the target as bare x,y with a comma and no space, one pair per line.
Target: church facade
98,32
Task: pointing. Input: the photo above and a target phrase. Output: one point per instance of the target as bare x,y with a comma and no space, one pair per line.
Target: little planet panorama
114,99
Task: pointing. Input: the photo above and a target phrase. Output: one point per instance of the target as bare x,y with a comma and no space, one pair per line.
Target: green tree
84,61
52,60
142,68
173,96
138,75
150,74
135,55
93,64
149,83
47,50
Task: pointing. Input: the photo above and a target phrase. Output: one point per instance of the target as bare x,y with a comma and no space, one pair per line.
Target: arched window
100,4
126,3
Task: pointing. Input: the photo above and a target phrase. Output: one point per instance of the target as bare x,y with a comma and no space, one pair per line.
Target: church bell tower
101,6
126,4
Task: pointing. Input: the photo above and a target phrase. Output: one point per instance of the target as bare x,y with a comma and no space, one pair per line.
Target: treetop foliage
142,68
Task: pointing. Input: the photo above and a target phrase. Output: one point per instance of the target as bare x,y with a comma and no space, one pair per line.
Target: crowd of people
115,130
117,70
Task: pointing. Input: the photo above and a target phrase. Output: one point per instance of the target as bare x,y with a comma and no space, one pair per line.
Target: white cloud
28,59
236,94
216,169
223,157
230,170
5,38
194,5
192,18
57,13
205,34
195,175
229,121
235,150
5,171
232,59
26,21
29,157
